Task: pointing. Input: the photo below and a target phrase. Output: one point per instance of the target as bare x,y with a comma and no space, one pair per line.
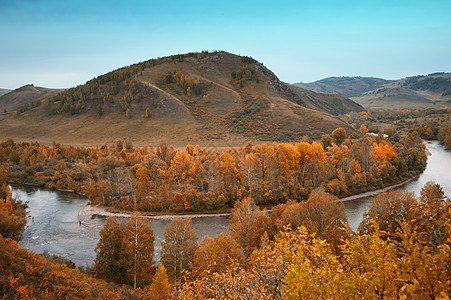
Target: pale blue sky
65,43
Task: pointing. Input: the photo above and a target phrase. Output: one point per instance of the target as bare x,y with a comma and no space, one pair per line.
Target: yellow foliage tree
160,288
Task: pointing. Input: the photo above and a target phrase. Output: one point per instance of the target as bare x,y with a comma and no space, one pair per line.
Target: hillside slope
347,86
12,100
216,99
433,90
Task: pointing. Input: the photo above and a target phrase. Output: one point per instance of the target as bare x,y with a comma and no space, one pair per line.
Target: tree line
196,179
430,123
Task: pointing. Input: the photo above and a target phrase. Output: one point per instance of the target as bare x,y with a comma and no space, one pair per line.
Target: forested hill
191,98
347,86
422,91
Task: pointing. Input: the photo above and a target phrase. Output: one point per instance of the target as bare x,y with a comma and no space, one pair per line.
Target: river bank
10,181
89,211
378,191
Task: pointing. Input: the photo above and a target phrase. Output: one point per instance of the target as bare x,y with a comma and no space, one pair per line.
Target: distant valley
212,99
433,90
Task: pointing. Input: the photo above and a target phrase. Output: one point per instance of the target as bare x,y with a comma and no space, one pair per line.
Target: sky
61,44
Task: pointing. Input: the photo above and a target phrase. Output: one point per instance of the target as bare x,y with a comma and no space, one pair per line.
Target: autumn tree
431,193
321,214
248,223
363,129
214,255
373,267
4,188
142,185
178,247
432,216
125,252
12,211
109,262
183,166
339,135
139,250
12,218
382,152
388,210
160,288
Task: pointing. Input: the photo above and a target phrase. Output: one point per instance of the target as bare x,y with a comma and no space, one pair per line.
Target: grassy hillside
207,98
433,90
347,86
24,96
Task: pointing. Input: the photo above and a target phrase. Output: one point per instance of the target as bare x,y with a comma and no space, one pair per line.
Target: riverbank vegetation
301,251
193,179
430,123
12,211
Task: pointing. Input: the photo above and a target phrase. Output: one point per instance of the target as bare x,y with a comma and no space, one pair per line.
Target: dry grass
227,115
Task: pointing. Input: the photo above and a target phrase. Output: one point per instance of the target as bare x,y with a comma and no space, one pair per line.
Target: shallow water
56,228
53,225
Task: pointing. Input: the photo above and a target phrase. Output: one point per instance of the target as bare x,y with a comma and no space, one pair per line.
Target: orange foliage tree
12,212
214,255
125,252
248,223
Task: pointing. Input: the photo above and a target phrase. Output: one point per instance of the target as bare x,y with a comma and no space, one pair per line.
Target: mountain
347,86
210,98
24,95
433,90
4,91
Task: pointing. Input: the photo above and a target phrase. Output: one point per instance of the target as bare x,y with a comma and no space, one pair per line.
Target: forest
302,250
288,236
163,179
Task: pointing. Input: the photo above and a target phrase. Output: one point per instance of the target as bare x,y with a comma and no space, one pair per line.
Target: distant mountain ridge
4,91
24,95
180,99
433,90
347,86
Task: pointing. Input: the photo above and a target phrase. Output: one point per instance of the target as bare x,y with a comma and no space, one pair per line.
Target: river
54,226
438,169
